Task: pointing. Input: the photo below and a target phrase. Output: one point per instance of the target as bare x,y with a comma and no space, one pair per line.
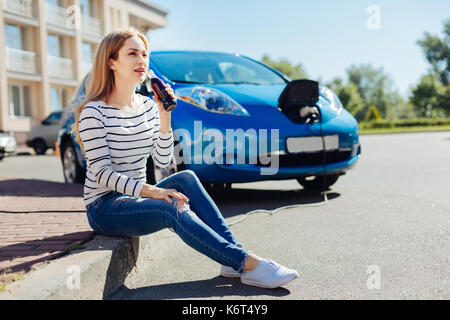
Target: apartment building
47,46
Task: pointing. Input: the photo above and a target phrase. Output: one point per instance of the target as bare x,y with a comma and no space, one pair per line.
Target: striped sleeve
93,135
162,151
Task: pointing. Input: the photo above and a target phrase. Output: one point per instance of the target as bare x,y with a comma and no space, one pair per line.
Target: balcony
60,68
21,61
19,7
56,15
91,26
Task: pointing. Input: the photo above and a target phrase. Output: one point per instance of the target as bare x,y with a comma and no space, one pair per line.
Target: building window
87,52
55,46
15,37
59,3
58,98
19,100
86,8
87,57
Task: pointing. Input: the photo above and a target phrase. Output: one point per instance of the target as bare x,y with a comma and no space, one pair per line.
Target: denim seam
175,183
90,219
101,199
139,212
203,244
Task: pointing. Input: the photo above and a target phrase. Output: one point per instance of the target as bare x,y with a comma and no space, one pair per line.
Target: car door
50,128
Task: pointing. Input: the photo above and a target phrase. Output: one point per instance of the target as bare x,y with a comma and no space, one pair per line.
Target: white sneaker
227,271
268,274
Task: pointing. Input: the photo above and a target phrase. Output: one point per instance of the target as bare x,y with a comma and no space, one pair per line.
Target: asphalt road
384,232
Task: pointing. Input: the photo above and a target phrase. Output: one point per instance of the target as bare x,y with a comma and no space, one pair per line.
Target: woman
118,130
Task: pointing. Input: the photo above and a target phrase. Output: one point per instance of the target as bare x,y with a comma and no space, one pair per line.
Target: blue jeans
199,223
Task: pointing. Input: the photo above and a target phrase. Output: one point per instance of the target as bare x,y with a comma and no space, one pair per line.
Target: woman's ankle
251,262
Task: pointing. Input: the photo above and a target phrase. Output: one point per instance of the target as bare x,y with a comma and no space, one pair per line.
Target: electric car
239,120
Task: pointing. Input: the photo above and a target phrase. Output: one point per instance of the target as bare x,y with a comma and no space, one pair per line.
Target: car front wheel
316,182
39,146
73,172
155,173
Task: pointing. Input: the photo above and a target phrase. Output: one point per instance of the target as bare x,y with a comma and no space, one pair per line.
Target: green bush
418,122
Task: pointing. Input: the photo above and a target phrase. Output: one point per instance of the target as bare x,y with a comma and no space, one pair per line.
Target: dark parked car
44,135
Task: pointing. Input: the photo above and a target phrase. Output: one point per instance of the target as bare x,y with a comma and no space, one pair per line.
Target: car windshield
213,68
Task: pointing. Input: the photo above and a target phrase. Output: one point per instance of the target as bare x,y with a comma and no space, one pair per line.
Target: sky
325,36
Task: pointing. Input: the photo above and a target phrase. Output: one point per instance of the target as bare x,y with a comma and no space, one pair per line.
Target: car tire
155,173
73,172
217,187
316,182
39,146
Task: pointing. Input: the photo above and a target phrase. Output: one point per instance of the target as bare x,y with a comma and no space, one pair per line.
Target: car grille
299,159
309,159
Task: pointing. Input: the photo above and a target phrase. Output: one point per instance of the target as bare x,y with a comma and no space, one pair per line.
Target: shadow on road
39,188
29,253
239,201
215,287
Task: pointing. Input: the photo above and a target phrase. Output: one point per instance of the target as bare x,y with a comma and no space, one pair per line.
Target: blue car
239,120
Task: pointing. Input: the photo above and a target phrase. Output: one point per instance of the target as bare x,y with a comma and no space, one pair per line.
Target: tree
375,88
424,95
431,96
285,66
349,95
437,52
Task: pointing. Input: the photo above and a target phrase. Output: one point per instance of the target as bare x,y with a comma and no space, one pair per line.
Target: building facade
47,46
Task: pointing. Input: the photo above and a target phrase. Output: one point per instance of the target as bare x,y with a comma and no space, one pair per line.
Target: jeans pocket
102,198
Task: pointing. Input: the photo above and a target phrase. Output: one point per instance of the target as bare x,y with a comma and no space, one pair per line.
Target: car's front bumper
281,165
7,150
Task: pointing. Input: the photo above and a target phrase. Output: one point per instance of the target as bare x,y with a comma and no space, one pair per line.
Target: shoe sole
230,275
269,285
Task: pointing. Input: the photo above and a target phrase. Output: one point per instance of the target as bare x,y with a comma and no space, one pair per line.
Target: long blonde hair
101,83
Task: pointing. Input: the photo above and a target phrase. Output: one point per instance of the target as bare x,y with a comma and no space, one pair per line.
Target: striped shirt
117,145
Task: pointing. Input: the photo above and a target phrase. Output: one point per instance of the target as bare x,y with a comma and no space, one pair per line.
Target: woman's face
132,62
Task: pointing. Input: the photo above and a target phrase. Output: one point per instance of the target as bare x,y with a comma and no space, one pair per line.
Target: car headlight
7,142
332,99
211,100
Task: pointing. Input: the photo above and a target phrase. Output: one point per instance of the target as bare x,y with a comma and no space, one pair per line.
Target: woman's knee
188,176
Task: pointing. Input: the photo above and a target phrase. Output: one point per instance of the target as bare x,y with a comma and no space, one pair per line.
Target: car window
53,118
213,68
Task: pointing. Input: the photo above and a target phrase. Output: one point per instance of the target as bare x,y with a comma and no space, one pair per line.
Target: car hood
249,95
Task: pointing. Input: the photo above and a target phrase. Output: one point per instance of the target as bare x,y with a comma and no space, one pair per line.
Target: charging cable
325,201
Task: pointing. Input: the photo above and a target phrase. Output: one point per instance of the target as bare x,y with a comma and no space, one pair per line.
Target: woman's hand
171,93
164,116
161,193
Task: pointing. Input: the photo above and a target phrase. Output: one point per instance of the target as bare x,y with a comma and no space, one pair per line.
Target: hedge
418,122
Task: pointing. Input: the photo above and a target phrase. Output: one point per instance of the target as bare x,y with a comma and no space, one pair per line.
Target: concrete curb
94,272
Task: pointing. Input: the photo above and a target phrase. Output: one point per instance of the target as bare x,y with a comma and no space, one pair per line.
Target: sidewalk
39,221
46,242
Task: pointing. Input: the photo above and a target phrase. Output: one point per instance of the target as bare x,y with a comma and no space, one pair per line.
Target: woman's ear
112,65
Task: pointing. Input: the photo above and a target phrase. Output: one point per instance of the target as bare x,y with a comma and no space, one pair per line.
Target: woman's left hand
171,93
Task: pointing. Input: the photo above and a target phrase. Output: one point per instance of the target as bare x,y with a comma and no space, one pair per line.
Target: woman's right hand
161,193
